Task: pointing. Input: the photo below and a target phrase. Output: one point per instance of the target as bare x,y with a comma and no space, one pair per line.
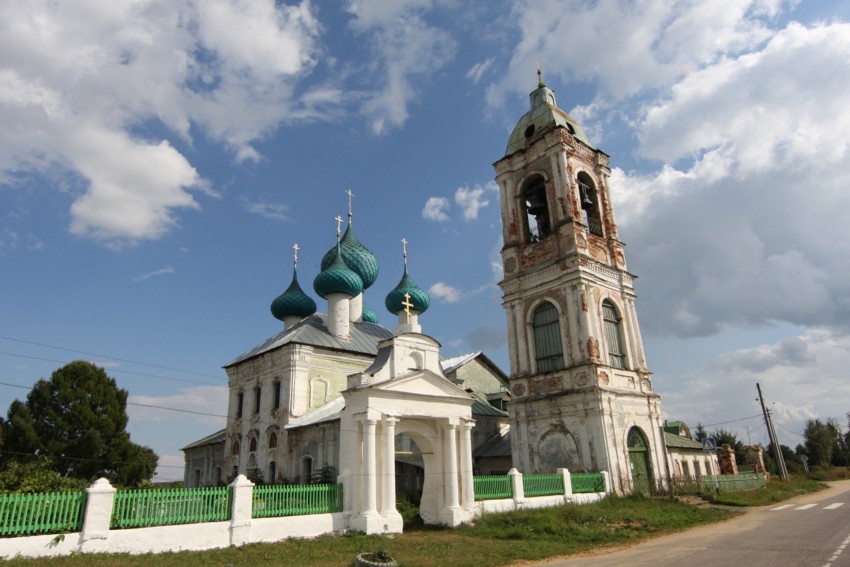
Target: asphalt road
810,530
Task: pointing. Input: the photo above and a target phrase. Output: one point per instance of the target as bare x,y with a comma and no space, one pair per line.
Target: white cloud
477,71
160,272
445,292
193,404
435,209
470,201
793,351
75,79
406,49
277,212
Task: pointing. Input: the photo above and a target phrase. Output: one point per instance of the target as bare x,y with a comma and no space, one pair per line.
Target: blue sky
160,159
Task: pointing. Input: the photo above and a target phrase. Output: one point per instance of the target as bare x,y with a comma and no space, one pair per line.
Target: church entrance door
639,461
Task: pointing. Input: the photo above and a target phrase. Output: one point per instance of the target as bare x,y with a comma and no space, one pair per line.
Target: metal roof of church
680,441
497,446
217,437
313,331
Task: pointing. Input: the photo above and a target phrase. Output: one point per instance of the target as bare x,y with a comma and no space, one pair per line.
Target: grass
495,539
775,491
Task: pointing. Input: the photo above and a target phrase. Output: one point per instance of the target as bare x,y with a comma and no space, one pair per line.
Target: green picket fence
163,507
587,482
543,484
732,482
295,500
45,512
492,487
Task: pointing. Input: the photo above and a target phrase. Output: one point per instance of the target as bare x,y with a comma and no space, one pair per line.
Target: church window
235,449
277,394
257,397
240,401
252,447
548,349
535,205
614,335
272,472
589,204
272,440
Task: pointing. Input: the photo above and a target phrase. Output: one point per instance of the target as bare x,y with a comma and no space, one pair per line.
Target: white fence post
568,484
240,518
516,486
606,477
95,532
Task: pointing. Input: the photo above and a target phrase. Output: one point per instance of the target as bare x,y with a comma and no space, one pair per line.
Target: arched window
235,449
240,401
252,447
272,440
536,208
276,395
614,335
589,204
548,349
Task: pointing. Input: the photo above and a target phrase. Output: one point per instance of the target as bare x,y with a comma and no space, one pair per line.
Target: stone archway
639,461
423,434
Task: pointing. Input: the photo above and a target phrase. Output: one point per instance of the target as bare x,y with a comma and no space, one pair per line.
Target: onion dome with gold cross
293,301
396,299
337,277
369,315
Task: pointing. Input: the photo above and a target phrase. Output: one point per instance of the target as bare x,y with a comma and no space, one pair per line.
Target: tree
77,421
700,433
820,441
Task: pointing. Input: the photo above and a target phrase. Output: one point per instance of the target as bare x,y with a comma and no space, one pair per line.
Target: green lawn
496,539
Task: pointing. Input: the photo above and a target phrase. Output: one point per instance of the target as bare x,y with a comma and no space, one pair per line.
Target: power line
110,357
115,369
134,403
730,421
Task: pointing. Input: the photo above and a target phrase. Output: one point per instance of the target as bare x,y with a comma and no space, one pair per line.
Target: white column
388,504
451,466
370,504
98,514
466,486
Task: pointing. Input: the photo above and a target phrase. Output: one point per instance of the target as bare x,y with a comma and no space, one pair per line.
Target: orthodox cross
338,220
540,83
404,248
296,248
350,194
407,305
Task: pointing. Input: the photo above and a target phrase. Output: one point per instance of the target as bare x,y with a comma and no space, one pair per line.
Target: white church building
337,394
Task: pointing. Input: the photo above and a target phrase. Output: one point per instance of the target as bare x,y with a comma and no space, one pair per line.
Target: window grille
548,350
614,334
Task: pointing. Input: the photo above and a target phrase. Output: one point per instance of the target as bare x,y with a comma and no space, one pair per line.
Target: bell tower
582,391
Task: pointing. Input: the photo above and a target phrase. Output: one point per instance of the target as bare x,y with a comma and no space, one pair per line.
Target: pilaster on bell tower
573,332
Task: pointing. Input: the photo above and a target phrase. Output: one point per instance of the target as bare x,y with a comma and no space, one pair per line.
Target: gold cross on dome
407,305
296,248
338,220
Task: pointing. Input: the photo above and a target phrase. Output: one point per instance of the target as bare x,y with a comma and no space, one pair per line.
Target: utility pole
777,451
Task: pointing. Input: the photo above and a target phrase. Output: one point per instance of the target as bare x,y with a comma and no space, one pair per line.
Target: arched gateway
405,391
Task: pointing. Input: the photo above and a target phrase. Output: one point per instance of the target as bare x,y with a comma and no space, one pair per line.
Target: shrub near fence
45,512
542,484
587,482
162,507
732,482
295,500
492,487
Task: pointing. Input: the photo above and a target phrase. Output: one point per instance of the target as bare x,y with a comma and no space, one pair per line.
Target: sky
160,159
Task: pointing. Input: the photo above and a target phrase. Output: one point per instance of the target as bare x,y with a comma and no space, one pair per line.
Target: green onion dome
418,297
337,278
293,301
369,315
356,256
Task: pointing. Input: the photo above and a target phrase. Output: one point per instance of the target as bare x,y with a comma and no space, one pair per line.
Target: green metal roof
356,256
337,278
418,297
543,114
680,442
293,301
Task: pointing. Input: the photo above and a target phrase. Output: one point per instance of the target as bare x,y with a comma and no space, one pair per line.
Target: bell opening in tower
536,206
589,204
